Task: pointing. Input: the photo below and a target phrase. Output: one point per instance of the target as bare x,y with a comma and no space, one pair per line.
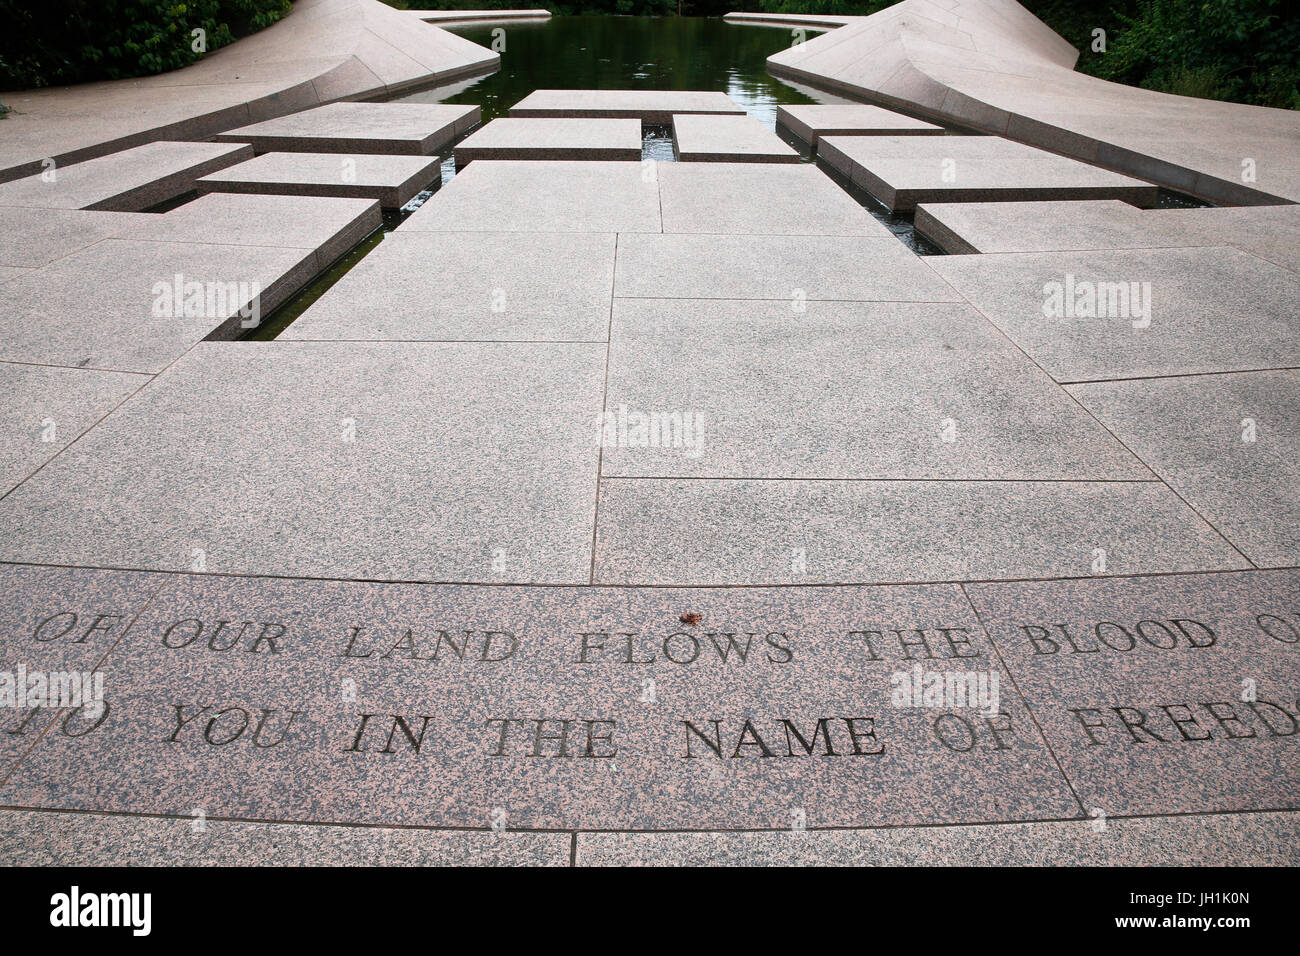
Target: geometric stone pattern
418,129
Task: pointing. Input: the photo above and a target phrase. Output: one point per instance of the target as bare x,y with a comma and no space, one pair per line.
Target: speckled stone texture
393,180
34,237
376,460
129,181
544,196
1229,444
1208,310
1236,839
60,619
970,405
47,408
488,286
809,121
761,656
552,138
650,106
728,139
112,305
901,171
417,129
1160,695
39,838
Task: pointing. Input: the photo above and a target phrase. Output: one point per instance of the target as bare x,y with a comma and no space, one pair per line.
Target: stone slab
809,121
488,286
42,838
574,139
770,393
59,620
12,272
1210,310
415,129
652,107
758,532
761,656
541,196
901,171
728,139
759,199
326,225
112,305
374,460
1270,232
47,408
393,180
1217,839
128,181
34,237
1229,444
795,269
1170,694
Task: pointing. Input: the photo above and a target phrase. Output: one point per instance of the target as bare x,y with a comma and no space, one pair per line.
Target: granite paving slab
11,272
417,129
901,171
393,180
768,392
360,460
43,838
59,621
135,306
728,139
1270,232
760,532
127,181
544,196
796,269
564,707
329,226
655,107
541,138
46,408
759,199
1229,444
1216,839
34,237
487,286
1153,311
1159,695
809,121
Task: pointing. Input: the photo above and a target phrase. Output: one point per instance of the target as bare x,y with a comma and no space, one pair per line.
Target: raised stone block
344,460
488,286
1088,316
393,180
759,532
759,199
34,236
47,408
1160,695
728,139
135,306
128,181
810,121
1227,443
592,139
970,405
654,107
543,196
901,171
418,129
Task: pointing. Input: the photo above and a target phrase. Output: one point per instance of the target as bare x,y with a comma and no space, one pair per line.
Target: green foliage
74,41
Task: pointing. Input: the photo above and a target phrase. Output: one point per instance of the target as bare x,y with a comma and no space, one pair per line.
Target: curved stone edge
322,52
991,66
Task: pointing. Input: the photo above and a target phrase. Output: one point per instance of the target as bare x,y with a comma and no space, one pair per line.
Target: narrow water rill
495,437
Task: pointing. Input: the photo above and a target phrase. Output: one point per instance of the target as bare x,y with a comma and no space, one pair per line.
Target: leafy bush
75,41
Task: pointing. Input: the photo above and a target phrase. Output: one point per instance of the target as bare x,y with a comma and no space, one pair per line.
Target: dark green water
628,53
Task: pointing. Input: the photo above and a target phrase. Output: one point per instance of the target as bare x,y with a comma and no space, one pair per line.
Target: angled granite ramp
993,66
